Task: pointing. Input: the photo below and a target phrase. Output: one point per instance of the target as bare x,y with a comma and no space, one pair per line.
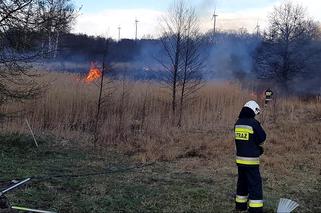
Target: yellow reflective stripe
247,161
241,199
244,162
238,200
256,203
244,128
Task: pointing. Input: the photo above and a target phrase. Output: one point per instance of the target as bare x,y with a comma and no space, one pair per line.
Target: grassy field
163,187
194,169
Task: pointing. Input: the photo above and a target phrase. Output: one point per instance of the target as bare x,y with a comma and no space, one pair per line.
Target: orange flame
94,73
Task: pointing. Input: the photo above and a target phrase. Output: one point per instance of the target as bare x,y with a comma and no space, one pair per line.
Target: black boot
255,210
240,206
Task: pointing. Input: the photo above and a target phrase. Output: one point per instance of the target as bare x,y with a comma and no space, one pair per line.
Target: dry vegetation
130,110
136,117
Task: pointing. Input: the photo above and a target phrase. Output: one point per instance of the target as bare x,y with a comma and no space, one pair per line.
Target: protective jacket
249,135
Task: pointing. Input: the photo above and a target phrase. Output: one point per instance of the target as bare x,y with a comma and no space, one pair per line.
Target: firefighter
249,136
268,96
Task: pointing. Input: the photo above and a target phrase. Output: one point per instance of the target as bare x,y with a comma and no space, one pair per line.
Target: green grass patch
152,189
163,187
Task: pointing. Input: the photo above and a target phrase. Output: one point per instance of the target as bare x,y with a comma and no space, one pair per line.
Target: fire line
94,73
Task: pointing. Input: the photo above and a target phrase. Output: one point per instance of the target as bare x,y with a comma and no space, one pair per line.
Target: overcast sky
103,17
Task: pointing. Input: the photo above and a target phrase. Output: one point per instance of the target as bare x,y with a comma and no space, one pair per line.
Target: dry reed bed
70,104
137,116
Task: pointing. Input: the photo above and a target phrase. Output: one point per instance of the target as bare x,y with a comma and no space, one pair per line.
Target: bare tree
191,79
180,43
173,29
15,82
104,92
54,18
19,22
100,95
287,49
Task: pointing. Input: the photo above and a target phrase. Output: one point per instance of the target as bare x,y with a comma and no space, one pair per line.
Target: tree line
287,52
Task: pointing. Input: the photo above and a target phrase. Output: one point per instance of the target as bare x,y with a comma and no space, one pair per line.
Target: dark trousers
249,184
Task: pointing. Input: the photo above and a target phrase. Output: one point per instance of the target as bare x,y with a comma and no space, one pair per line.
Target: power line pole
119,28
136,24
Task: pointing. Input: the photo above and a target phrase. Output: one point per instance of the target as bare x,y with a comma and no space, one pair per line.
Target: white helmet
253,106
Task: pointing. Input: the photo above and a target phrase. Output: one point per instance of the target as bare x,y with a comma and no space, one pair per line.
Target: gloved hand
261,150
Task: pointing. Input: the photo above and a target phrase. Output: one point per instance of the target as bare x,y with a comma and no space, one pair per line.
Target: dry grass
68,108
136,117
